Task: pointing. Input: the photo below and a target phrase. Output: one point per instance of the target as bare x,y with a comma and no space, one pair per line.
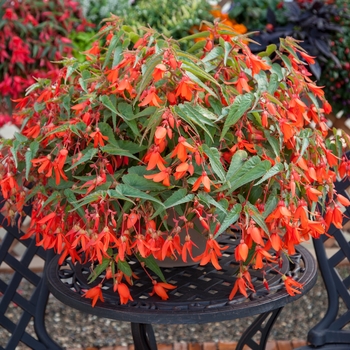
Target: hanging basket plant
142,130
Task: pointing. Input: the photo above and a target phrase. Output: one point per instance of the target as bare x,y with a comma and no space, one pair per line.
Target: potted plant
142,131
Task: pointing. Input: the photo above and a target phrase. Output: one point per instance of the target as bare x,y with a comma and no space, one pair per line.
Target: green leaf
273,84
208,200
28,157
151,263
126,110
147,75
251,170
228,49
230,219
270,49
203,34
189,116
106,130
270,204
241,104
129,191
108,103
69,194
54,197
112,45
276,146
124,267
88,154
252,211
177,198
287,62
237,161
214,158
142,184
99,269
195,79
19,137
93,197
115,151
117,55
214,53
197,46
277,168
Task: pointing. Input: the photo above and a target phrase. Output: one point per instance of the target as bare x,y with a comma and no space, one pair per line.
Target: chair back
23,292
334,328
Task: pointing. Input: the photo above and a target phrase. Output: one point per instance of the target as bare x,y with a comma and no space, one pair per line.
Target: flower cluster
33,34
143,131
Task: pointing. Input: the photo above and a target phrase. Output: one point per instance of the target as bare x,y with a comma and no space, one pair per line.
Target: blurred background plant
322,26
33,33
336,78
172,18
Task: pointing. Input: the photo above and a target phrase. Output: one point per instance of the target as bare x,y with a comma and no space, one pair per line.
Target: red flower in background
34,35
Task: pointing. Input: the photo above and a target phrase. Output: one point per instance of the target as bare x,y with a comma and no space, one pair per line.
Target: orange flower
163,176
171,246
181,149
242,83
58,164
241,251
159,71
124,293
151,98
255,63
95,294
185,88
98,138
160,288
243,282
154,159
291,285
313,194
203,179
8,185
211,253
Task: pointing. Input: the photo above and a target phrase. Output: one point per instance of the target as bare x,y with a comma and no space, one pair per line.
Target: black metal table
201,295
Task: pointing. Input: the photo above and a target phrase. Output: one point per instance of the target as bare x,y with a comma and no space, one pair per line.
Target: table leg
261,328
143,336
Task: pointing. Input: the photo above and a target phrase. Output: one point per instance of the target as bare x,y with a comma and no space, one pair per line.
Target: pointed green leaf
231,217
252,170
99,269
151,263
214,158
108,103
270,204
277,168
208,200
129,191
142,184
237,161
88,154
241,104
255,214
115,151
69,194
273,83
124,267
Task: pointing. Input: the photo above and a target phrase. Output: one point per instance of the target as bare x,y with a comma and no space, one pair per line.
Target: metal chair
19,311
331,332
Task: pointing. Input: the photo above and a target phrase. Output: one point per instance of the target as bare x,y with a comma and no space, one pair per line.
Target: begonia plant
32,35
143,131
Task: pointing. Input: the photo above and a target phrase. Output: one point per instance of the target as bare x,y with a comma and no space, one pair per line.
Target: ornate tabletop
201,295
